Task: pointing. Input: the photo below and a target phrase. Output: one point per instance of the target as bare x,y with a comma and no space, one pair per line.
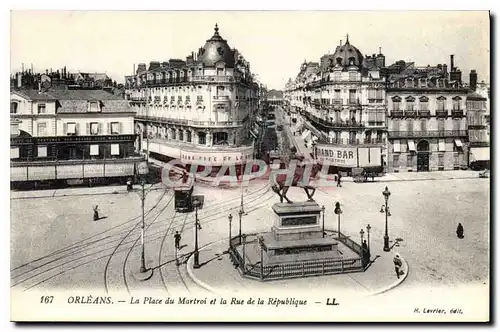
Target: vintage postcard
244,166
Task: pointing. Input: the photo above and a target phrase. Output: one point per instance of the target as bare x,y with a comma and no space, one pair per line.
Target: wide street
56,244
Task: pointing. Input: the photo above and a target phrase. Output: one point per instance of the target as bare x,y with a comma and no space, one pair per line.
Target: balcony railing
221,98
337,101
353,101
434,133
193,123
441,113
397,114
372,141
410,113
424,113
457,113
333,124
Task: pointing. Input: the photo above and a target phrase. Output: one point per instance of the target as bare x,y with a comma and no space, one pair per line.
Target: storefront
344,159
479,158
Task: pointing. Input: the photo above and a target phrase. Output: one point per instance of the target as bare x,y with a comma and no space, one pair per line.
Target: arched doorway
423,156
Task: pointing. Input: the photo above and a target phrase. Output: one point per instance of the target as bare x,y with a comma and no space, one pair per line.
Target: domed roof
347,55
216,49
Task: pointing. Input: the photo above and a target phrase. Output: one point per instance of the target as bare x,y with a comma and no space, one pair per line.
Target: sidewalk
79,191
218,275
423,176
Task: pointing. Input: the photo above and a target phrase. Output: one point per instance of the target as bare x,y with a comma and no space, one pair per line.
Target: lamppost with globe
338,212
144,273
385,209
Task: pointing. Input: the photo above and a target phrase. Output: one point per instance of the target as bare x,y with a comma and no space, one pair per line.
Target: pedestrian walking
339,183
96,213
460,231
177,238
397,265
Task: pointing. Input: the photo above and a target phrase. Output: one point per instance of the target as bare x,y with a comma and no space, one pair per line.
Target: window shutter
120,128
99,130
109,129
88,128
65,128
77,128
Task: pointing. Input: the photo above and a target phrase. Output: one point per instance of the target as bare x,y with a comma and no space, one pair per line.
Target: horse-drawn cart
361,174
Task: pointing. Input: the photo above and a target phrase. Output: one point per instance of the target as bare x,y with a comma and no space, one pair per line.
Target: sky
275,43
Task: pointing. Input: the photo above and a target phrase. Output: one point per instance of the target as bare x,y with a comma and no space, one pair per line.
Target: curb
398,281
214,291
190,272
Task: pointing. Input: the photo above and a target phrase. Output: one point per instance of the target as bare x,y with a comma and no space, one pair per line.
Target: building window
352,96
396,146
409,160
14,153
456,103
220,71
174,133
42,151
115,128
440,124
379,137
441,103
94,128
13,108
423,125
396,105
94,106
71,128
395,160
441,160
220,138
410,125
188,136
410,103
220,91
42,129
115,149
202,138
456,124
41,108
94,150
181,135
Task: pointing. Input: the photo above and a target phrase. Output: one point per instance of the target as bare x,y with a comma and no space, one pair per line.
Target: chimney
133,73
19,79
473,80
452,63
341,42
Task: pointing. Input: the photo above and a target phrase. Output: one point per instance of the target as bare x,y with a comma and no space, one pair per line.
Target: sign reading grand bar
337,156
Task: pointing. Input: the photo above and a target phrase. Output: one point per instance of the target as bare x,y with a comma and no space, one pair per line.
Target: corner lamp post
385,209
338,212
361,235
196,205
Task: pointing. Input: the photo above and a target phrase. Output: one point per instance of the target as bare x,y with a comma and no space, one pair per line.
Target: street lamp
361,233
244,239
323,209
144,273
385,209
338,212
240,213
368,227
230,217
196,204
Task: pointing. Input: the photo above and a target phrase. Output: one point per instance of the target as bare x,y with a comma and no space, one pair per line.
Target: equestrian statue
280,185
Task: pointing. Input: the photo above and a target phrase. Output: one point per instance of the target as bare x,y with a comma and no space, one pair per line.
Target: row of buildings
401,117
83,126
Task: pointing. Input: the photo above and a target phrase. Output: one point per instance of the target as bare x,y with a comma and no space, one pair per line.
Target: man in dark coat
397,265
460,231
339,184
177,238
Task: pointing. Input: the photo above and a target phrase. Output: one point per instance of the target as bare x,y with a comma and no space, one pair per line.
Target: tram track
78,247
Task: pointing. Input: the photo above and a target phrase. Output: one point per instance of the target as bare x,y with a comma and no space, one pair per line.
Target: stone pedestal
297,234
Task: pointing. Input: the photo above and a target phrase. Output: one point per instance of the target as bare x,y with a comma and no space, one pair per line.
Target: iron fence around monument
297,269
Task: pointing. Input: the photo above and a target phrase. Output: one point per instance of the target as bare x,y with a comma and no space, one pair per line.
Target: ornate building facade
200,110
343,99
427,123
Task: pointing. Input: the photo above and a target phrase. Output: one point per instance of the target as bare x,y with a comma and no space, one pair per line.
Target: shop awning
480,154
397,146
441,145
458,143
411,146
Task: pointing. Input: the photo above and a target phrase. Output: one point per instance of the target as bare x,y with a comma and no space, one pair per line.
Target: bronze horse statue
280,186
